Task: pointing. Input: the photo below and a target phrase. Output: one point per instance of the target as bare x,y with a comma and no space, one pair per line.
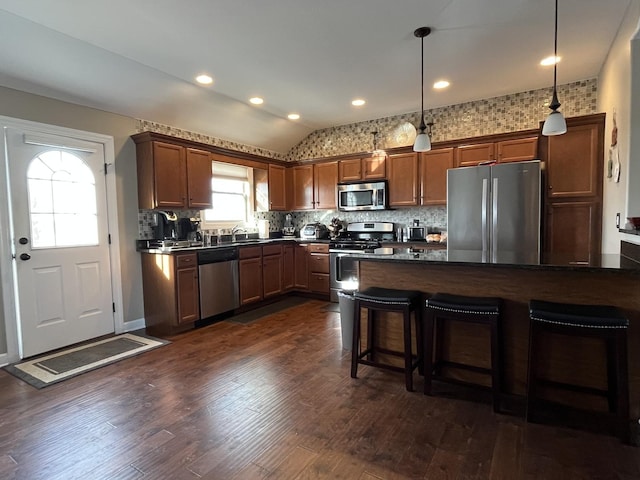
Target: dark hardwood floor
274,399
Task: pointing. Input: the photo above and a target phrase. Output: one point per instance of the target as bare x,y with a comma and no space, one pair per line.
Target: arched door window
62,201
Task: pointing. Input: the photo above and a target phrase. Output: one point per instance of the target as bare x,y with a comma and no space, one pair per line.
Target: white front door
60,234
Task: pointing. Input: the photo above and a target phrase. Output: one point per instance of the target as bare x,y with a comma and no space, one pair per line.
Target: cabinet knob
550,187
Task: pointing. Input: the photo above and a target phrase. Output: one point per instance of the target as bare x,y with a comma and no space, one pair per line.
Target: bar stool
595,321
443,307
376,300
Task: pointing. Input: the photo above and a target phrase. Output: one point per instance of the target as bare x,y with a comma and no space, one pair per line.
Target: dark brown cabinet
433,175
288,266
503,151
301,263
277,190
271,270
573,200
170,291
356,169
250,274
314,186
319,267
172,176
403,179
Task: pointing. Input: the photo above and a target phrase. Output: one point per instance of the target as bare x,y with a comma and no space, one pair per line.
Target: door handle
25,256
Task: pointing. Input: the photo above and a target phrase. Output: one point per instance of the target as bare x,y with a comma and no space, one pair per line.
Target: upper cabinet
403,179
277,190
172,176
513,150
433,175
313,186
357,169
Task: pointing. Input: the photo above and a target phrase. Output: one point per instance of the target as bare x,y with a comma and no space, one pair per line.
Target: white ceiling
139,58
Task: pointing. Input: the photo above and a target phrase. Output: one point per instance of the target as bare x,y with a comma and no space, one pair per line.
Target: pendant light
555,123
423,141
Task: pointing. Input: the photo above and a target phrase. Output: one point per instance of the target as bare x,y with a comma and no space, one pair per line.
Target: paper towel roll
263,228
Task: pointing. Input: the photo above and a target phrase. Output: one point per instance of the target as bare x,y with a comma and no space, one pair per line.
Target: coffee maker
166,226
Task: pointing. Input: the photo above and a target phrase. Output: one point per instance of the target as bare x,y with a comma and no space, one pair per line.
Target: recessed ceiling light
441,84
293,116
358,102
256,100
204,79
546,62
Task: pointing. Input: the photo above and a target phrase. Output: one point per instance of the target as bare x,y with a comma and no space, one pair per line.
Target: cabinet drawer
319,263
187,260
319,282
249,252
272,249
319,248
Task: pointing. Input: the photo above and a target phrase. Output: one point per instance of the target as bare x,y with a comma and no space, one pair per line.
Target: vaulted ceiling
313,57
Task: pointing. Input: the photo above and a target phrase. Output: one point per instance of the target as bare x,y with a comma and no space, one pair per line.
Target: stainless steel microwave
362,196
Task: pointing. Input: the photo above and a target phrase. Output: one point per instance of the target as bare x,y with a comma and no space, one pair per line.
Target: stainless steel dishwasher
218,271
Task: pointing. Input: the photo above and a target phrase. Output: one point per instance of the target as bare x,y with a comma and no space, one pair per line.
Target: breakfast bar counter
613,280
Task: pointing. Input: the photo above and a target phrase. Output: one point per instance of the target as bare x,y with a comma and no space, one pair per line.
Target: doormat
53,368
251,316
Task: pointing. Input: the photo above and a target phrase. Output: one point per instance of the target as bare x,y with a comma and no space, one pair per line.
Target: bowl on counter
635,222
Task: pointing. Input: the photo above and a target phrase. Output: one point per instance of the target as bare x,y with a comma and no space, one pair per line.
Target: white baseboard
133,325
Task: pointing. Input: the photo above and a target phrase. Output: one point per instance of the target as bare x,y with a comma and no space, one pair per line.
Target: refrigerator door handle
494,221
485,200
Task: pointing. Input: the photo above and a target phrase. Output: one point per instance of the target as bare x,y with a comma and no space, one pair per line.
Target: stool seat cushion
464,304
586,316
388,296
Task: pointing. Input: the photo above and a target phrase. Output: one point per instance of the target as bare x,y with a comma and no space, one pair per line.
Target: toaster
314,231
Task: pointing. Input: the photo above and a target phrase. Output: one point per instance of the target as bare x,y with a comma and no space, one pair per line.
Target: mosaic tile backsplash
508,113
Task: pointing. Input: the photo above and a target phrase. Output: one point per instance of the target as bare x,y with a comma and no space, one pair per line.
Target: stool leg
496,363
531,371
417,315
372,316
427,349
355,347
408,357
622,385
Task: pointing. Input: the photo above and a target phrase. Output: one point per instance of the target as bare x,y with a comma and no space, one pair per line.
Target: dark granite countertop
241,243
608,262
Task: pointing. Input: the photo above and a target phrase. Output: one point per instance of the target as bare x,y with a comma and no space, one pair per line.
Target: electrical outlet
617,220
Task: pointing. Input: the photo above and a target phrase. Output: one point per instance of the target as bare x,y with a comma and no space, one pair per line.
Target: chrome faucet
236,229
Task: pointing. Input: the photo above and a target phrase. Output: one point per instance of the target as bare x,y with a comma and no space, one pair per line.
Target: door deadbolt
25,256
23,240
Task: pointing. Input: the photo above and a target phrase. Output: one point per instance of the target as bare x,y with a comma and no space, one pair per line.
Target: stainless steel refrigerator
493,213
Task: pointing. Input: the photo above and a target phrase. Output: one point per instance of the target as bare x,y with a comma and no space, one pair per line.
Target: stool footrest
461,366
573,388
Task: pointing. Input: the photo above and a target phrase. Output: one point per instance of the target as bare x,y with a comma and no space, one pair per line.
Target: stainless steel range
359,237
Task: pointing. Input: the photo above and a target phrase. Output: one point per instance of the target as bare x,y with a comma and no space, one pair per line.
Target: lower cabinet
250,274
301,264
170,290
288,266
271,270
319,267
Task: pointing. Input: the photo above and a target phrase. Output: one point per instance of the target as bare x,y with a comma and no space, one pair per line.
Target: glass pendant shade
422,143
555,124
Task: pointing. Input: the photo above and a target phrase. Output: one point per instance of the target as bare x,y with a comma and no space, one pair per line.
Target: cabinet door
433,173
403,179
374,168
325,181
288,267
518,150
271,275
250,273
572,232
301,267
573,166
277,195
471,155
302,188
198,179
170,175
350,170
188,295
